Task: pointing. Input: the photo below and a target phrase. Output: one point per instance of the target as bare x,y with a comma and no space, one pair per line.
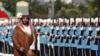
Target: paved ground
2,54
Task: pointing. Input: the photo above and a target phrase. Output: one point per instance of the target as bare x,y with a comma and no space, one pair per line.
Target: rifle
67,39
62,36
89,38
80,37
73,37
55,39
58,34
97,38
80,40
61,39
52,30
63,31
50,39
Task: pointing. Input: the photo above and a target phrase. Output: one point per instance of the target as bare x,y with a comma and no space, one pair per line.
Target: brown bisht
22,39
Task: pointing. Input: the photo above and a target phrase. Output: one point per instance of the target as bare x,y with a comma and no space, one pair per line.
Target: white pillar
0,3
52,12
22,7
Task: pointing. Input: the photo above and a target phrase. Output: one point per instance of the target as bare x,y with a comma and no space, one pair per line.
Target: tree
95,5
57,6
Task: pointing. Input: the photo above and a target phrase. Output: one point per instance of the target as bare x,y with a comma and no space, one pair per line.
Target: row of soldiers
63,39
6,45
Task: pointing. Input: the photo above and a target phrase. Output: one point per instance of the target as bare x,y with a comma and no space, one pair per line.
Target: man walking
25,38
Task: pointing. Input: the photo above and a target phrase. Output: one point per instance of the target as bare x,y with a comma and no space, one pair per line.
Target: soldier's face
25,21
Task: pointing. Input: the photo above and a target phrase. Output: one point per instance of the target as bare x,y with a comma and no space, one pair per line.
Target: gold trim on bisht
25,32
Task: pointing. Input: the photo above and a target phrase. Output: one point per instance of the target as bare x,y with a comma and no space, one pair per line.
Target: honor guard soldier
85,35
61,42
71,37
80,41
51,37
73,40
43,39
56,50
4,36
77,34
92,45
97,40
67,41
